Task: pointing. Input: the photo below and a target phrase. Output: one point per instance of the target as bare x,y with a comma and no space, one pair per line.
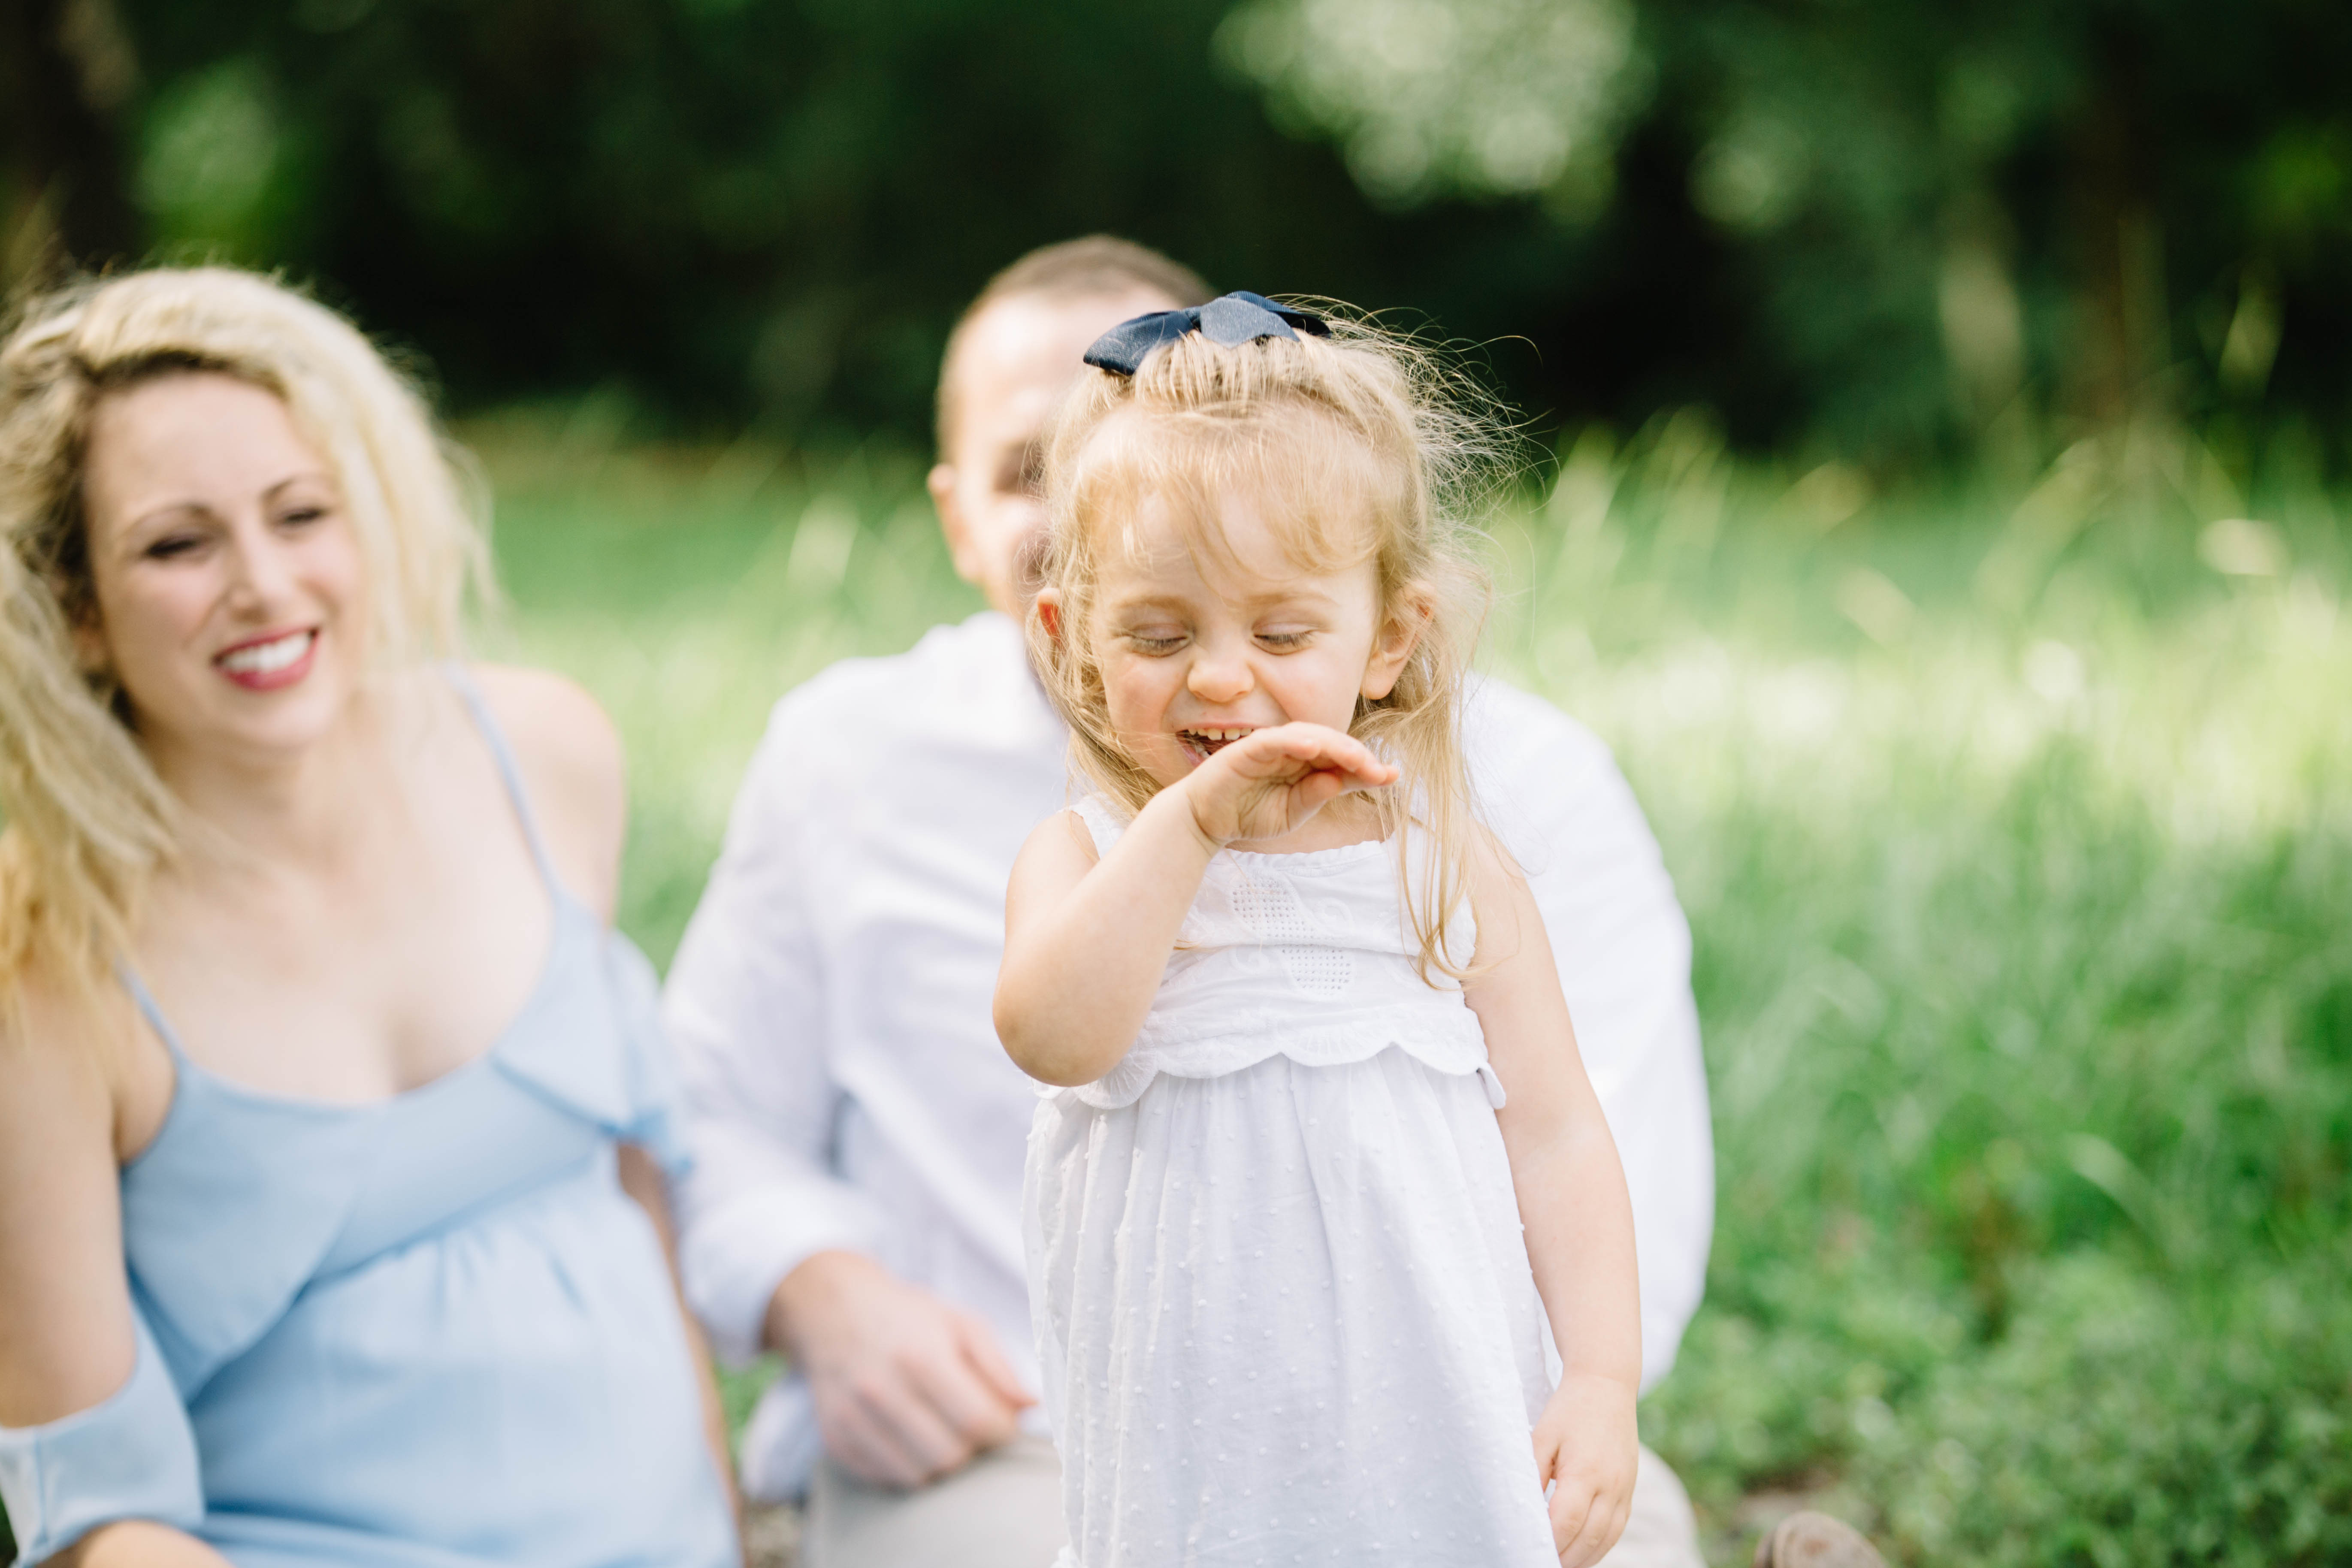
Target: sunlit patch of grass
689,590
2015,836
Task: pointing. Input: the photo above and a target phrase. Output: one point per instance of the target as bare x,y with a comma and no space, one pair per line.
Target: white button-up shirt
830,1004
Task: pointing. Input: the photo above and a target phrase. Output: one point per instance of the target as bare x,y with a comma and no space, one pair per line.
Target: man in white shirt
857,1203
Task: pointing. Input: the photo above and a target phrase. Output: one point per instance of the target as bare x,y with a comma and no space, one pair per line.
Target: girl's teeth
1207,740
264,658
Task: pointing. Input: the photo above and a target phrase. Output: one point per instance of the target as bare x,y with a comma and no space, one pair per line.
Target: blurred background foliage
1899,232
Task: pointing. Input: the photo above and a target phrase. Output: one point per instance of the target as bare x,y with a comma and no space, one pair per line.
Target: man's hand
1273,780
908,1388
1587,1450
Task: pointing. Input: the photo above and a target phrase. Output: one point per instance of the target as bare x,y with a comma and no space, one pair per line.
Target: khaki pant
1004,1510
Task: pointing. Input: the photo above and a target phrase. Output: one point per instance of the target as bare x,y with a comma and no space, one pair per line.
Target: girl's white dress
1281,1295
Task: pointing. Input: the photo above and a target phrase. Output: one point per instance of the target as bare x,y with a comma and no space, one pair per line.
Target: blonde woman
333,1120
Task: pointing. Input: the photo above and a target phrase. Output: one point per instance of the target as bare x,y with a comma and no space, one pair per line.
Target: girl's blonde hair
87,822
1361,446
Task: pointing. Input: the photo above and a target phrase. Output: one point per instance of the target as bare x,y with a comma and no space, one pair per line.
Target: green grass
2016,841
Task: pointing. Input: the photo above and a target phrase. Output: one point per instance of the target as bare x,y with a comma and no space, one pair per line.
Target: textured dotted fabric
1282,1298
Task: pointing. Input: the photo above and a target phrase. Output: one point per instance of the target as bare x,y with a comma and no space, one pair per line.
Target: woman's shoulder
60,1042
572,768
550,718
76,1066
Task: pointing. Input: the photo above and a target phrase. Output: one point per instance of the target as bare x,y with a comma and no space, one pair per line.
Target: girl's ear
1048,610
1409,617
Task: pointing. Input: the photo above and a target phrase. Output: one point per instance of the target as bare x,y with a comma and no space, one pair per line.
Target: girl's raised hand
1587,1450
1271,781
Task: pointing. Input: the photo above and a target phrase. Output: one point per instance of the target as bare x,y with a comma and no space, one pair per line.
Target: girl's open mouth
1202,745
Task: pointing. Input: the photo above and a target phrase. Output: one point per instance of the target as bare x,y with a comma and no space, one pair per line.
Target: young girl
1292,1249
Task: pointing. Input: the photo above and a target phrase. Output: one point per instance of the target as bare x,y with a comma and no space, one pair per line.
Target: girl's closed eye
1286,639
1157,640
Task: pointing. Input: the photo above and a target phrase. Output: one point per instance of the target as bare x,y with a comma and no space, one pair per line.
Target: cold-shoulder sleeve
133,1456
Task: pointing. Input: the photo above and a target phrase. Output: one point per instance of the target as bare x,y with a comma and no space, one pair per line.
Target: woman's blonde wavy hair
87,822
1362,446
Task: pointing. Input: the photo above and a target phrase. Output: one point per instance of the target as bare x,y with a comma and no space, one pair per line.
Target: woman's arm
642,1180
138,1543
67,1342
1580,1225
1086,943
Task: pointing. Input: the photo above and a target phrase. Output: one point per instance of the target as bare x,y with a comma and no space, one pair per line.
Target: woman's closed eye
173,545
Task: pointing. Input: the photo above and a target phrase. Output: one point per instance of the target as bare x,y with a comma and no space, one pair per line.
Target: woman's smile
271,662
229,585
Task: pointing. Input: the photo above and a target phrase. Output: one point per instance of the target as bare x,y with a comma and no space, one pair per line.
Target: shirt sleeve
1552,792
133,1456
746,1015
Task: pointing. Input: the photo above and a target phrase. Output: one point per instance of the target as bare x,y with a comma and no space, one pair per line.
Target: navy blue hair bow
1231,319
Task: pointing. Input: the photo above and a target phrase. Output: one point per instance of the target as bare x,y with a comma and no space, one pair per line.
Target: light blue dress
426,1332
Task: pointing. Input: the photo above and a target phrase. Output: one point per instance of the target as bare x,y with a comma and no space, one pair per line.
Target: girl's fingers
1323,749
1314,792
1356,760
1295,769
1571,1509
1364,770
1603,1523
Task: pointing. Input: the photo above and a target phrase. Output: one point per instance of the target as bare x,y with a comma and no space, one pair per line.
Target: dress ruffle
604,1057
593,1053
1449,1042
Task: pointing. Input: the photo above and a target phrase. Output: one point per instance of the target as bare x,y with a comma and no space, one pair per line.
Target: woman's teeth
267,658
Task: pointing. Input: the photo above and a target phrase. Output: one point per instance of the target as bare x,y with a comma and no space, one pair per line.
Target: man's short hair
1096,267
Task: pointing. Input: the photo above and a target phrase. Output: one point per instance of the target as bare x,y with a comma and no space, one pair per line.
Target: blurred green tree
1892,229
1934,210
67,74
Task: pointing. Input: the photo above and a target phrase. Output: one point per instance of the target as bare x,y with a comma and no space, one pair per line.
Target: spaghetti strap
501,754
150,1009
